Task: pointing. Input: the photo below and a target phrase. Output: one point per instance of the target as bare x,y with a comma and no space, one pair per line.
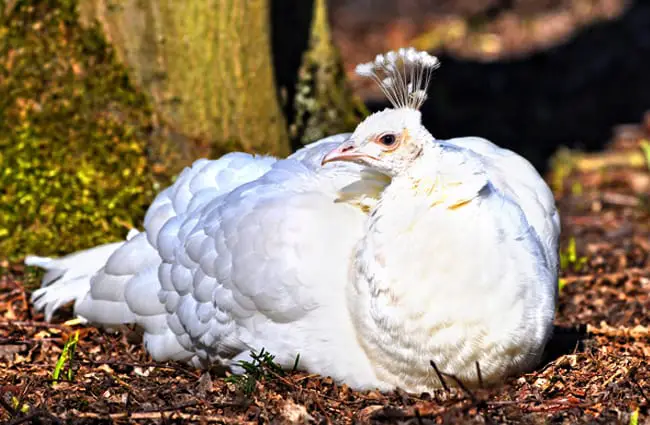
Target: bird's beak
346,151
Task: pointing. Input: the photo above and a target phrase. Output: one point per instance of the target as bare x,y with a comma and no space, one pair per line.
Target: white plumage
369,259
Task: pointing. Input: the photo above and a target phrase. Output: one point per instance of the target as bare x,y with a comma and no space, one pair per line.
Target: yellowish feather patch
442,192
365,193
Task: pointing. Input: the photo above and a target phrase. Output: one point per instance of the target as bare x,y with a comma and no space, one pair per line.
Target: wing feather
242,260
515,176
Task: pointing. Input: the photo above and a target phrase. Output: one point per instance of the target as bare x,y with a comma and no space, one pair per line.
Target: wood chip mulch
595,369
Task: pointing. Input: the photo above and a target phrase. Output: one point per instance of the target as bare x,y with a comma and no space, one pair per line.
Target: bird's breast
444,284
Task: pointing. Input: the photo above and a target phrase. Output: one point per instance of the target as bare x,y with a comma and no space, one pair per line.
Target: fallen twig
620,199
162,415
33,415
33,324
440,375
604,329
613,276
170,366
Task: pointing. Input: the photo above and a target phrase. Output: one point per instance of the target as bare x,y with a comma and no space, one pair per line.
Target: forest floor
595,369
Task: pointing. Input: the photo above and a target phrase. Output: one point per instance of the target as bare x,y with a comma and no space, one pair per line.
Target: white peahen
369,255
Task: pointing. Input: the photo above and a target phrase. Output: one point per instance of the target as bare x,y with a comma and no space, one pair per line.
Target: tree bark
206,66
318,100
86,151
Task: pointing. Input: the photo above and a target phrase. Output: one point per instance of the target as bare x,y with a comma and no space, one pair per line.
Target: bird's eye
388,140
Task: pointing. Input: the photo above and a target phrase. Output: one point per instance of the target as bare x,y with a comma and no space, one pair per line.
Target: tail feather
50,298
139,293
109,314
129,282
52,274
165,346
68,278
112,285
106,286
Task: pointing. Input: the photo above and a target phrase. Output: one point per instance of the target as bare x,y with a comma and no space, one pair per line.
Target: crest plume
402,75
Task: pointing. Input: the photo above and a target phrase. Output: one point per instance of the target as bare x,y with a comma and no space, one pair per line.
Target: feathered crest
403,75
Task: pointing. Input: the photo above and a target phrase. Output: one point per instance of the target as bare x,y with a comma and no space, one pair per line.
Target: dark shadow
565,340
571,94
290,26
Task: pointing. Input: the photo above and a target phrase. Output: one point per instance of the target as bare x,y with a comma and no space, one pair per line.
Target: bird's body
367,272
474,257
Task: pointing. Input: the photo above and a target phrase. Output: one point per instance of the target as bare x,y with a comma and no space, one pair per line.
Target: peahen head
389,141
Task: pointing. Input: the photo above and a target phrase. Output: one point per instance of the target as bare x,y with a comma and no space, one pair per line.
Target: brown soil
595,369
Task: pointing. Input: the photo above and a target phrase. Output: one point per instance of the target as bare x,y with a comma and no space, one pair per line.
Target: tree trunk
81,161
206,66
318,100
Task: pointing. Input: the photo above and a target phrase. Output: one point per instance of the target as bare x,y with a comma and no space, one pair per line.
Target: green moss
73,134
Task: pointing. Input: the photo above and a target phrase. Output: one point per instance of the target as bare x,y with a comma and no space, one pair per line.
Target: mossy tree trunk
90,130
206,65
318,100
